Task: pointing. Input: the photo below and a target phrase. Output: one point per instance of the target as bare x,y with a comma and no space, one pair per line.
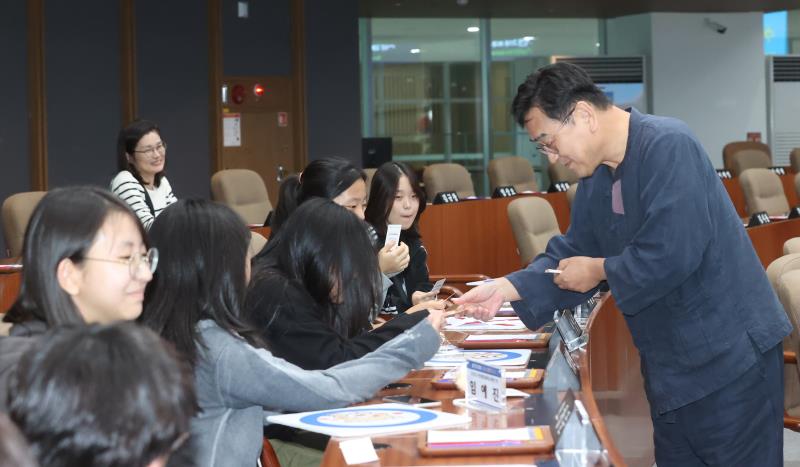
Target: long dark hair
385,183
63,225
322,178
127,140
326,249
201,274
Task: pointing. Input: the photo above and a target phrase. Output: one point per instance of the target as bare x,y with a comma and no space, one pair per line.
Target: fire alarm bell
237,94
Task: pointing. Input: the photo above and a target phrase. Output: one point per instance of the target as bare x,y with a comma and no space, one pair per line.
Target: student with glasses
652,219
141,155
86,260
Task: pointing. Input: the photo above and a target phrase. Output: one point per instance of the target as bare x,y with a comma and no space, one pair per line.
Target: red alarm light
258,90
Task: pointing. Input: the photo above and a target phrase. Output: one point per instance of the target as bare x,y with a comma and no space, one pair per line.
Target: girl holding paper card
195,302
397,198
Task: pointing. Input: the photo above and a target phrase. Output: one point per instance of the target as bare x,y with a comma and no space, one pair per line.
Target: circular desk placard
488,356
369,417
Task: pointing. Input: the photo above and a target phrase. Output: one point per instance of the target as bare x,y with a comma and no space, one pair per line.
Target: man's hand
483,301
580,273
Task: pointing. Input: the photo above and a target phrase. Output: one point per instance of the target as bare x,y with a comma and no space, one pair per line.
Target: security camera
720,29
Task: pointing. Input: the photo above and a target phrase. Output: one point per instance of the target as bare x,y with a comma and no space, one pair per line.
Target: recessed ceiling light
597,44
529,38
473,29
415,51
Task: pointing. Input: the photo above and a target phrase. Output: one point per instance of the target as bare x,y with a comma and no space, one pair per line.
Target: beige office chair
791,246
763,191
513,171
573,189
257,243
16,212
447,177
561,173
243,191
794,160
742,155
533,223
784,275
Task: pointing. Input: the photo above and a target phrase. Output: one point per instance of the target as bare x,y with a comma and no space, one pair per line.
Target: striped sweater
132,192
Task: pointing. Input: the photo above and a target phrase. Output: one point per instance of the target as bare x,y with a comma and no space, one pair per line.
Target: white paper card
232,130
358,451
486,384
393,234
437,286
511,392
478,436
498,323
502,337
503,357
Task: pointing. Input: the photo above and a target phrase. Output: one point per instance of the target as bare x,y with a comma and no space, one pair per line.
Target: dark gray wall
260,44
14,166
332,79
172,73
82,89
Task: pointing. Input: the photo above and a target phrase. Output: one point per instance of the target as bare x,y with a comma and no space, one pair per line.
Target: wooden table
10,281
768,239
612,391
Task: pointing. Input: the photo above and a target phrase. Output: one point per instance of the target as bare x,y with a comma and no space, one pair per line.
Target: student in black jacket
313,288
396,198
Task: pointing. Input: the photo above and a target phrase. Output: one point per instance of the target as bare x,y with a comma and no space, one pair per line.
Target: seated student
290,299
344,184
102,396
86,260
195,302
141,155
397,198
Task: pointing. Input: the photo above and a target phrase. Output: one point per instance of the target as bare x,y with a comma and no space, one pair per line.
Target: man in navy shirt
652,219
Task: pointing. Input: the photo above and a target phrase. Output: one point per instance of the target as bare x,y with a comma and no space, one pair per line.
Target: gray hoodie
238,385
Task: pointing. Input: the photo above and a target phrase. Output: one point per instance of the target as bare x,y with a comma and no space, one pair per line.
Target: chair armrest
789,356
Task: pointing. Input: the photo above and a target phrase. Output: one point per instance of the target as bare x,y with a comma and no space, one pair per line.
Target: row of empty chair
763,192
739,156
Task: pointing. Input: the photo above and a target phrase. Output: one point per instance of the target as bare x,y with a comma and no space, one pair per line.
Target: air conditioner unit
783,106
622,78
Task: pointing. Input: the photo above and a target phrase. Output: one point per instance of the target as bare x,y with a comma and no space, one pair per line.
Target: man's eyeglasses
153,151
149,260
547,147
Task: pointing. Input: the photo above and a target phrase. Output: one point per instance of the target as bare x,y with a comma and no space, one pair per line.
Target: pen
552,271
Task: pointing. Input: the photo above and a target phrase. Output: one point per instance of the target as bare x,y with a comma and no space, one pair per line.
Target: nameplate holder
446,197
486,385
794,212
504,192
724,174
759,218
778,170
558,187
561,372
577,444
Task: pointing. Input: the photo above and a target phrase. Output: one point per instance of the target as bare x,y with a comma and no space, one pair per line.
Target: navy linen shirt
678,261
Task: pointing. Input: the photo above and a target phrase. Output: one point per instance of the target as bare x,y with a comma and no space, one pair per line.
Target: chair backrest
742,155
763,191
243,191
513,171
784,275
797,184
794,160
791,246
561,173
257,243
571,193
447,177
533,223
16,212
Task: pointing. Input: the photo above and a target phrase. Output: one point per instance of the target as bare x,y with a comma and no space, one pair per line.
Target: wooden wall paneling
127,54
37,111
214,85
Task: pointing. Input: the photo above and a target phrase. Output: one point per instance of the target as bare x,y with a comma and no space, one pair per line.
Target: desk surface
612,391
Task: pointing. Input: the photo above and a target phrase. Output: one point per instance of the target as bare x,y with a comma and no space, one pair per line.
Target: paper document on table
503,337
498,323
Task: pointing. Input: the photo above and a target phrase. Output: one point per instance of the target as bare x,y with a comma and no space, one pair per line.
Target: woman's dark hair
322,178
555,89
385,183
327,250
102,396
201,274
63,225
127,140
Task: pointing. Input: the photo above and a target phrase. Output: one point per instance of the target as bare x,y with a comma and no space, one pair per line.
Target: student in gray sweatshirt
195,302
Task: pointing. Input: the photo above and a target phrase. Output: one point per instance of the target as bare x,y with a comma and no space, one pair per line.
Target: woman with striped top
141,154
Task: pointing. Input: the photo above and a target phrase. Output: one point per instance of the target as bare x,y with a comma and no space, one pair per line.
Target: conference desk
611,390
10,281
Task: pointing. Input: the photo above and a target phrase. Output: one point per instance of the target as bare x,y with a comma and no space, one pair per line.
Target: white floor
791,448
